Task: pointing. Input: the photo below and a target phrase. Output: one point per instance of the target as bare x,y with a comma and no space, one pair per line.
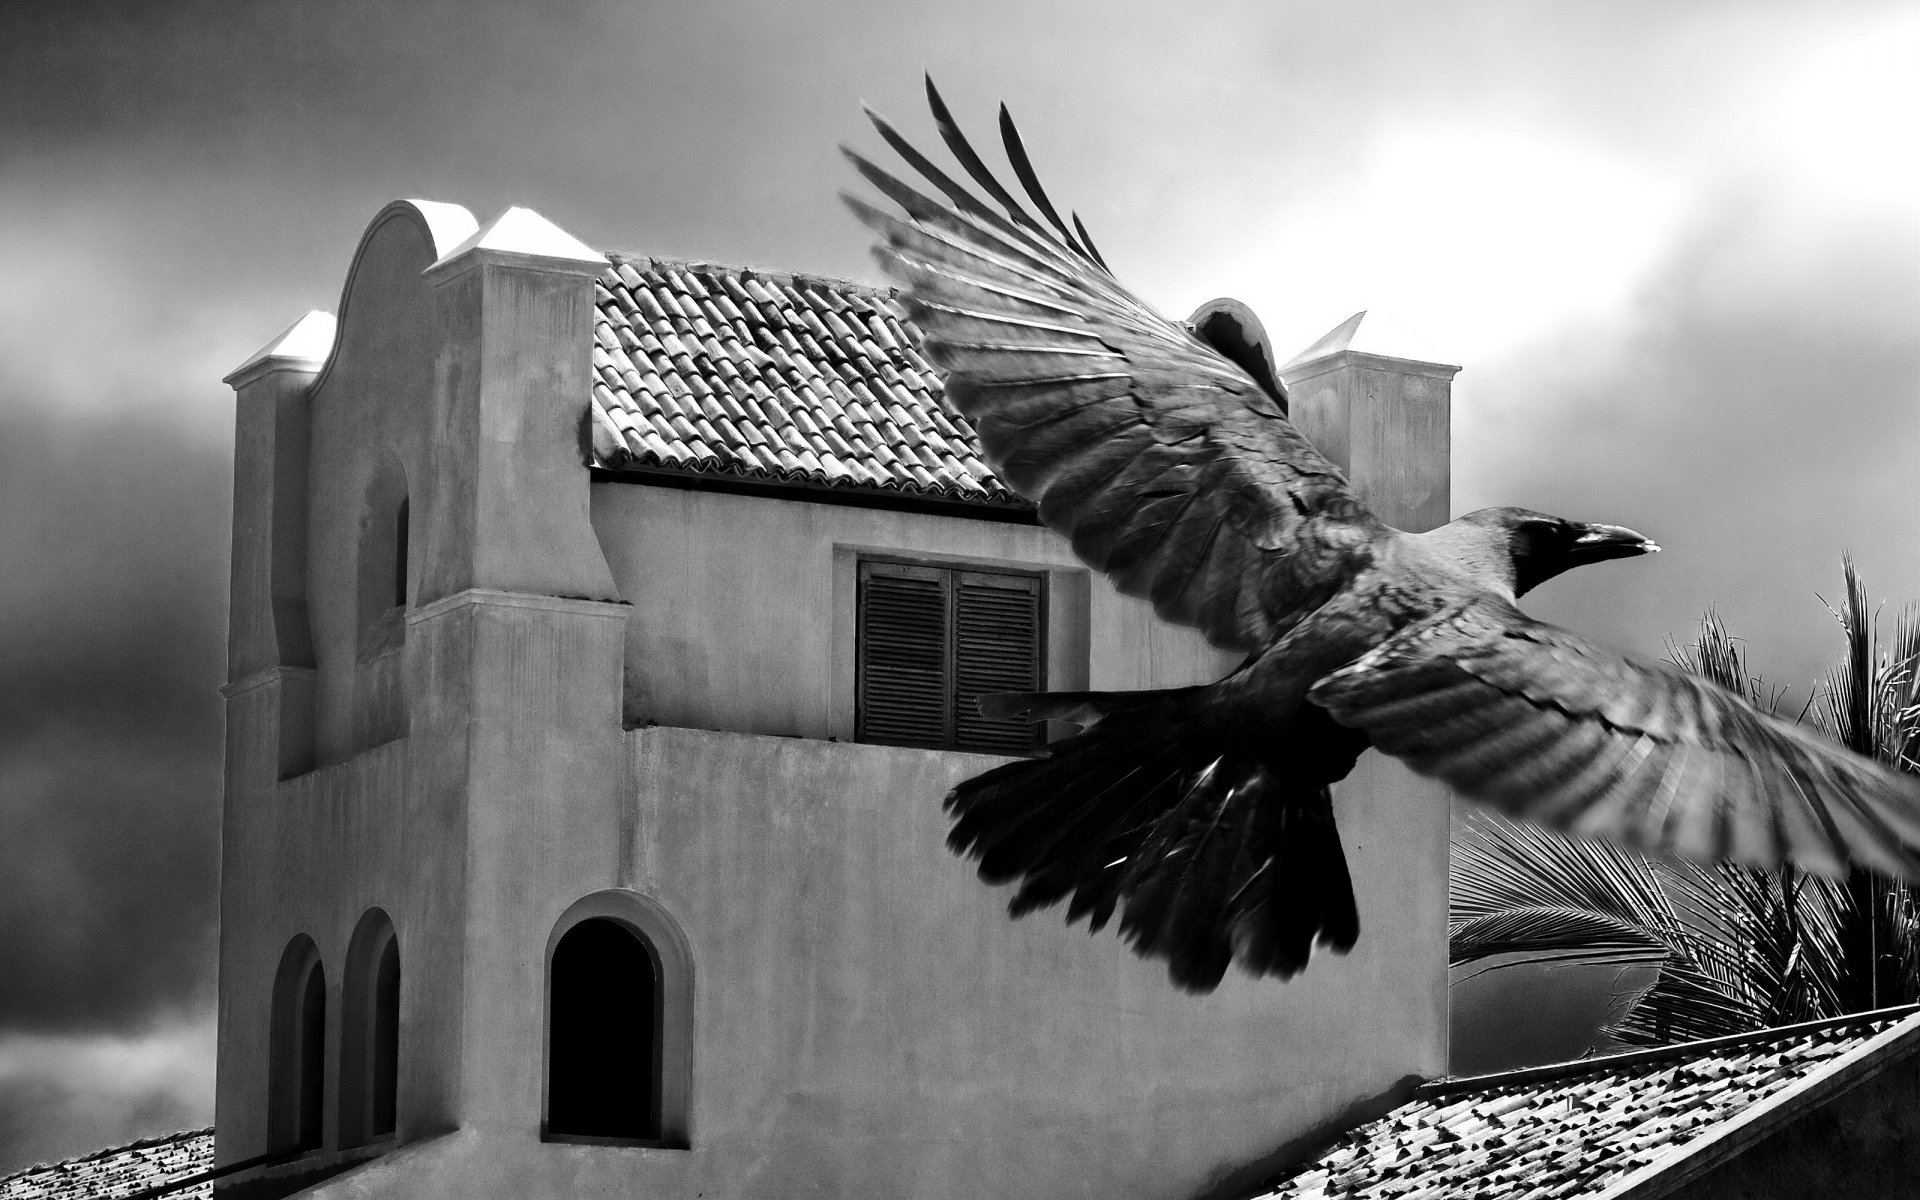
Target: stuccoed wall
366,414
868,1022
871,1023
743,606
309,854
471,378
317,860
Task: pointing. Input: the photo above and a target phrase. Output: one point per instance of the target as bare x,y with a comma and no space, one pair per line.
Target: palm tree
1737,948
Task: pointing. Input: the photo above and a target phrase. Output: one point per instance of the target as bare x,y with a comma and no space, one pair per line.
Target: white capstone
1370,333
522,232
448,224
301,346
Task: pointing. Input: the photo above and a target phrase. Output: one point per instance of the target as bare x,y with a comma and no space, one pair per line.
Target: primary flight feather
1201,817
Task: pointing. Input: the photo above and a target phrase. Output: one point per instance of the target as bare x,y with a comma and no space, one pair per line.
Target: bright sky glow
1478,238
1841,116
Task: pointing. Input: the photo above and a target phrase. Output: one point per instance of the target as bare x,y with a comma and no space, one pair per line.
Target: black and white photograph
1258,601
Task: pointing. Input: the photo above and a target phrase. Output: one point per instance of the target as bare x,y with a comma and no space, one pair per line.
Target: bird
1202,817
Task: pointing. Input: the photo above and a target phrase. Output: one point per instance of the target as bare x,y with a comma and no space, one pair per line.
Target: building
582,832
604,633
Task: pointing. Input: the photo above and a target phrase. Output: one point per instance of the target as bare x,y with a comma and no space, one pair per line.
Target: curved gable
402,241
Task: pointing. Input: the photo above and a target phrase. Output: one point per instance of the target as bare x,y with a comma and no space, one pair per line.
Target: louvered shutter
996,648
932,641
903,669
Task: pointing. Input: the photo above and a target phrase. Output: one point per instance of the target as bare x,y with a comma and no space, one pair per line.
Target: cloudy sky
1673,245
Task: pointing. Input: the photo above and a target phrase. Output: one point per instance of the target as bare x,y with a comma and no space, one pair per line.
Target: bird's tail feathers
1085,709
1208,855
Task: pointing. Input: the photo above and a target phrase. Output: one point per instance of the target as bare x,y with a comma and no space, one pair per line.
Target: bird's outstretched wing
1552,728
1162,461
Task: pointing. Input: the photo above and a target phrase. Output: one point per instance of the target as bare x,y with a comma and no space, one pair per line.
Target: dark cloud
62,1097
209,78
113,606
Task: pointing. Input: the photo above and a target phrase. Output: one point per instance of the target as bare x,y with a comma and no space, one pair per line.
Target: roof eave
1726,1141
1009,511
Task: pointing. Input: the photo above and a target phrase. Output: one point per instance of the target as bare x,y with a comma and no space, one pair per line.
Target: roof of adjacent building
174,1167
1598,1127
1605,1128
718,371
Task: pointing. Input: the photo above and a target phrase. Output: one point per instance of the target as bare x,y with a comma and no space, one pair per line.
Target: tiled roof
1572,1130
721,371
143,1169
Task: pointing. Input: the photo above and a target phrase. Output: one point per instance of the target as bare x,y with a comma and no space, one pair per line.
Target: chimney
1381,409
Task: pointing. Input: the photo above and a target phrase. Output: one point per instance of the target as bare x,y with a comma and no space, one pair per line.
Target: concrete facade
482,690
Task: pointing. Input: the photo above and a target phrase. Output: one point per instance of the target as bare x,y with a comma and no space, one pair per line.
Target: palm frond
1738,948
1719,656
1868,705
1505,865
1553,931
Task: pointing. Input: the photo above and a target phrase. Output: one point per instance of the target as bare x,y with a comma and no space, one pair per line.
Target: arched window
619,1024
382,568
379,711
370,1032
297,1062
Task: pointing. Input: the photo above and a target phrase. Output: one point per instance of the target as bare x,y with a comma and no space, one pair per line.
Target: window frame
954,573
661,937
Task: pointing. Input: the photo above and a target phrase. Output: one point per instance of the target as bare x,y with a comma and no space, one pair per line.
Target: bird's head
1541,546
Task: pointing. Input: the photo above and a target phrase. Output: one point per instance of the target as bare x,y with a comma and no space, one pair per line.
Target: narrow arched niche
382,587
381,566
619,1024
297,1043
370,1032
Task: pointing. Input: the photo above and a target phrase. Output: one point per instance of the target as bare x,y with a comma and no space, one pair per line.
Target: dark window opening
400,557
385,543
604,1034
932,640
385,1075
369,1077
313,1059
297,1062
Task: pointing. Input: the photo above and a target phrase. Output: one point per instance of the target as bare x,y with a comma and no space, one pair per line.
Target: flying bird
1202,816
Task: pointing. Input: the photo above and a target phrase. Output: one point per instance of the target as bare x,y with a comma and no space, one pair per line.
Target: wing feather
1164,463
1550,727
964,154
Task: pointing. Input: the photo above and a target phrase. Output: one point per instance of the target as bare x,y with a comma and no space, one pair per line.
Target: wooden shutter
996,640
904,681
932,641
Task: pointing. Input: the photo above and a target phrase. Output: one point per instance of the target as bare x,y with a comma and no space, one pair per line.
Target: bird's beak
1601,542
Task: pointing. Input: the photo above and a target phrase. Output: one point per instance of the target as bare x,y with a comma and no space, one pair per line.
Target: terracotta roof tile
135,1169
720,371
1570,1130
